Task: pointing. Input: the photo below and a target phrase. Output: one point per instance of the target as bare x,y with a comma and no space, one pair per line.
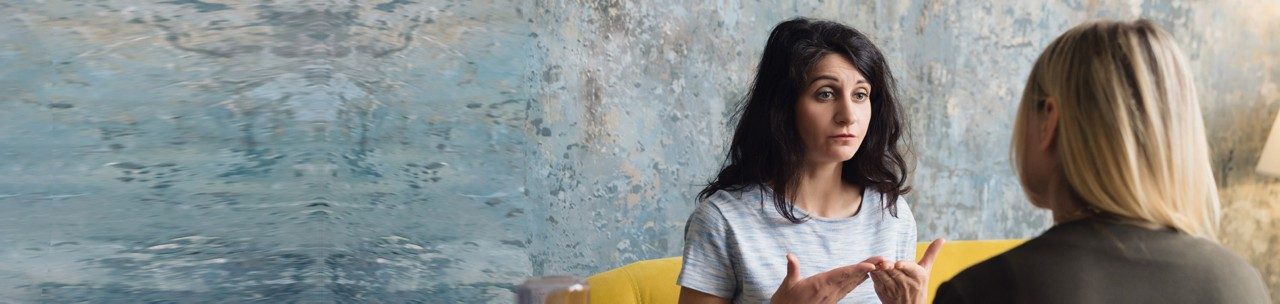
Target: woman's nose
844,113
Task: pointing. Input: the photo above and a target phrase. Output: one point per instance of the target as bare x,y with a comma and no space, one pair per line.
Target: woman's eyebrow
823,77
833,78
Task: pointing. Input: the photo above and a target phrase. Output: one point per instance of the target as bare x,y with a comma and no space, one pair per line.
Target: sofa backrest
654,281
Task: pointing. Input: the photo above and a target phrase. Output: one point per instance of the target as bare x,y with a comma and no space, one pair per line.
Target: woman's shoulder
1216,262
736,196
877,198
736,208
988,281
1054,264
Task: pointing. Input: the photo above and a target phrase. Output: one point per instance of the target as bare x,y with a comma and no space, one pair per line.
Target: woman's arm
690,296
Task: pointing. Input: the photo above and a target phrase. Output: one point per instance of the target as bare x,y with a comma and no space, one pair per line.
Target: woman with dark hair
810,197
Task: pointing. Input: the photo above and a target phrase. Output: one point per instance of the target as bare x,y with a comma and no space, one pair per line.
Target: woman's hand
905,282
826,287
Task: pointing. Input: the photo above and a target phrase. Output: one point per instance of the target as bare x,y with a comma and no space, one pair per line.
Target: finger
881,277
898,276
884,265
929,254
793,270
860,268
852,274
914,271
851,278
885,283
875,260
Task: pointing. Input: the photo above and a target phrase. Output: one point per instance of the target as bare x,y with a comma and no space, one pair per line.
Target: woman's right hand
826,287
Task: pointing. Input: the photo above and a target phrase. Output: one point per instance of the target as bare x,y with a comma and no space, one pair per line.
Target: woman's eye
860,96
826,95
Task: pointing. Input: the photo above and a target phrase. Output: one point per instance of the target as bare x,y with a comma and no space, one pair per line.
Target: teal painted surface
443,151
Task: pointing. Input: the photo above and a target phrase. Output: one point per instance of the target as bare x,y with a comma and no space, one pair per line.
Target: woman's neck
823,193
1069,211
1071,208
1065,206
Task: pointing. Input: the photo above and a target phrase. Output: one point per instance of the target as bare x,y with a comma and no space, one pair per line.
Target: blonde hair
1130,135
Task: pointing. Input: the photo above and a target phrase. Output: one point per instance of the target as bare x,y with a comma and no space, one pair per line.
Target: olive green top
1106,261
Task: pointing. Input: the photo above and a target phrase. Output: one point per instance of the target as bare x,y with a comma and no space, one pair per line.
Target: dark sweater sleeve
947,294
986,282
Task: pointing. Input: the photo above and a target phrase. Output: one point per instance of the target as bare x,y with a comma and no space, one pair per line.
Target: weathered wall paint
443,151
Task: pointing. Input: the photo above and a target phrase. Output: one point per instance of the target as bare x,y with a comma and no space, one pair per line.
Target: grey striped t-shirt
735,244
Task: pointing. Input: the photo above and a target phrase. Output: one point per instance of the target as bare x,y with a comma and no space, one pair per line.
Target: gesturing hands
905,282
826,287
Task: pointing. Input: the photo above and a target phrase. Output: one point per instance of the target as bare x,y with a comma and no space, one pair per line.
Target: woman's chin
833,155
844,153
841,157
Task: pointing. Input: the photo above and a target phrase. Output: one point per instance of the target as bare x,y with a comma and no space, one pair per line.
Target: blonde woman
1109,137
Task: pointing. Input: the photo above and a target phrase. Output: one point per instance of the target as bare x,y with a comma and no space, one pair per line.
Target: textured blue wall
443,151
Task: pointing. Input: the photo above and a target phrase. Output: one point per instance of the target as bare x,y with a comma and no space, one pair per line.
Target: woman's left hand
905,282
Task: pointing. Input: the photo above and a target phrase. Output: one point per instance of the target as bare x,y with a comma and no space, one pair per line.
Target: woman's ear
1049,126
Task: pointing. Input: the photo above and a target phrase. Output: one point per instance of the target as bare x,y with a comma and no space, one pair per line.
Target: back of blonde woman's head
1130,138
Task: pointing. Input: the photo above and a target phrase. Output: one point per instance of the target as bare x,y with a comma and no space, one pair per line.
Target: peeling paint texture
443,151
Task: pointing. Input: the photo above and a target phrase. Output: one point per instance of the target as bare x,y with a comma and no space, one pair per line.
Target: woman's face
833,110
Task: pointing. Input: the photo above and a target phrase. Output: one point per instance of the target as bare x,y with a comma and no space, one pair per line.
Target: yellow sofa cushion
956,256
654,281
648,281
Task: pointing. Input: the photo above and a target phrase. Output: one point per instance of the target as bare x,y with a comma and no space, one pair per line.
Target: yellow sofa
654,281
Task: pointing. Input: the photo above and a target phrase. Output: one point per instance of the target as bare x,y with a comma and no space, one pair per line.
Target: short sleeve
708,266
907,250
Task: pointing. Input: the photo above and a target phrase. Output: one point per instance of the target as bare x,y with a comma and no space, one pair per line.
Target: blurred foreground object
553,290
1269,163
